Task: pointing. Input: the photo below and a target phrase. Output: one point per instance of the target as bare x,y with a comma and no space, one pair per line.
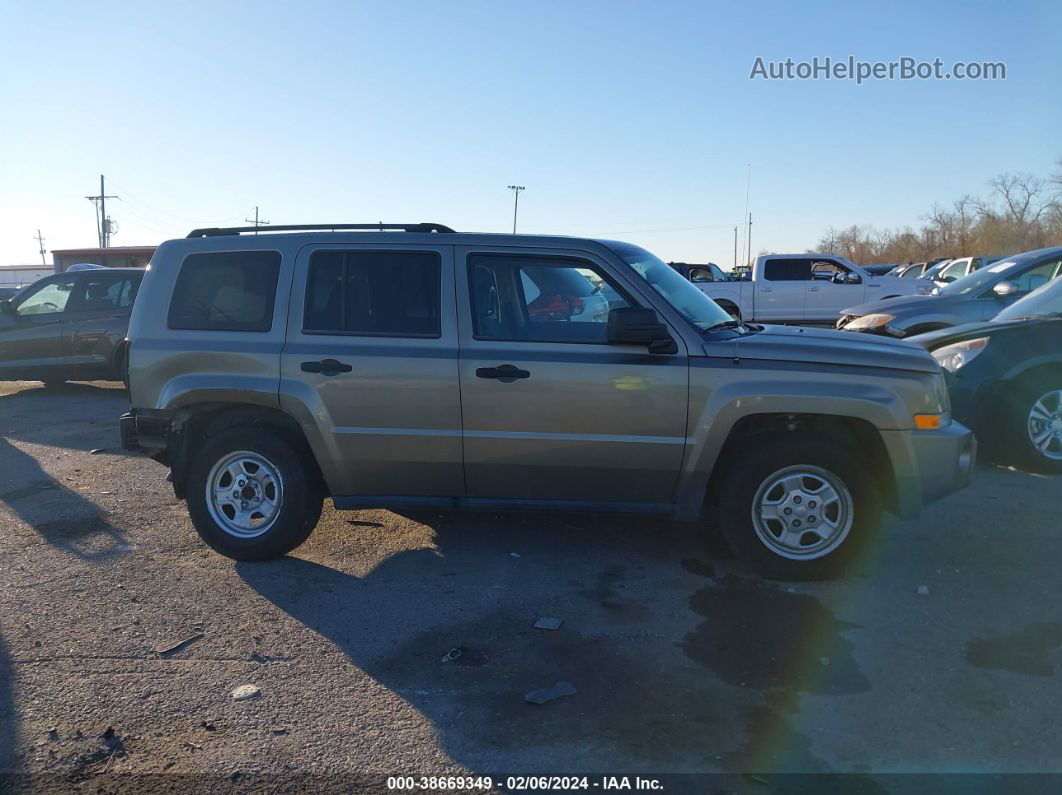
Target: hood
825,346
891,305
932,340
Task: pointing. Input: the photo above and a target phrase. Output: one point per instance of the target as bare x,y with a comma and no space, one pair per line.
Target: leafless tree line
1020,212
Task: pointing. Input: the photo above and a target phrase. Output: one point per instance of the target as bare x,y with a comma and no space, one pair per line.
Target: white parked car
805,288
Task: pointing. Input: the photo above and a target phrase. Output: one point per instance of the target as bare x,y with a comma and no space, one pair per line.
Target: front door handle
813,289
326,367
505,373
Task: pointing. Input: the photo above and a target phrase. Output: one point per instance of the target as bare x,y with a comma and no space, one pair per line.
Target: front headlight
870,321
959,354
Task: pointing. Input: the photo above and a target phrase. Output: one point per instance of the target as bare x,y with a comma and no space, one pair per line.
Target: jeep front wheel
799,508
249,497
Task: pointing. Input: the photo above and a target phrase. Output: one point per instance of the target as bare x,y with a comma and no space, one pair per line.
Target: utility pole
516,202
256,222
40,242
103,223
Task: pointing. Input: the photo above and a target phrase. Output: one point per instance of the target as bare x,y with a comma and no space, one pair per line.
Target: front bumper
929,465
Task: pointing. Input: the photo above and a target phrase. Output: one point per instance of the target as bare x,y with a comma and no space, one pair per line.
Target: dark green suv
68,327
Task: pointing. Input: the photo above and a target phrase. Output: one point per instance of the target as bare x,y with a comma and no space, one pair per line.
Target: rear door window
374,293
226,291
105,292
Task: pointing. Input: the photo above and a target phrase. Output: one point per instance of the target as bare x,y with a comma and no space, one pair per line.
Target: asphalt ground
122,638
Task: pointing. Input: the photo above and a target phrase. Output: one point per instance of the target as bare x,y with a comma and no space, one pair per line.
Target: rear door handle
506,373
326,367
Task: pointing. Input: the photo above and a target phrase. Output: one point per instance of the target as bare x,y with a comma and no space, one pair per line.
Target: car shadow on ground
68,520
8,715
673,669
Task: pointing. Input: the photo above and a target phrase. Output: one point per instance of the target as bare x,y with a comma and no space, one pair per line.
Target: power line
152,209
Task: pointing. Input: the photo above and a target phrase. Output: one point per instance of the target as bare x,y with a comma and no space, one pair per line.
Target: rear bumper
929,465
144,433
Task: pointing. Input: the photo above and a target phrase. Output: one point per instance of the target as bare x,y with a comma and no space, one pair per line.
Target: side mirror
1005,289
633,325
852,278
7,307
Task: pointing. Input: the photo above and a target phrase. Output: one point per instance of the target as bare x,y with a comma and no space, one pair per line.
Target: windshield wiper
1037,317
734,323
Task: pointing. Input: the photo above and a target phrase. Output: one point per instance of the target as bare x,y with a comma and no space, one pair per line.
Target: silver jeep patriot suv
412,366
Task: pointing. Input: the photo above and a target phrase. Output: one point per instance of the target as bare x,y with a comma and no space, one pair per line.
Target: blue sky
628,120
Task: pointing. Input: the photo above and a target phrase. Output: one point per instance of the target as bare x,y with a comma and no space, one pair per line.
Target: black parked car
980,296
1005,378
68,327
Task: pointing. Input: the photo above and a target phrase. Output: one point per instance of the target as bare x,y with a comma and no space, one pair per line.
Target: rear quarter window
225,291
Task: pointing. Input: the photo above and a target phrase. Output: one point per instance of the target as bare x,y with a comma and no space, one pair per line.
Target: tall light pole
516,202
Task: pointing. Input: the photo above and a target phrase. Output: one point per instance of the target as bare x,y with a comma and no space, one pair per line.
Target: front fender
710,426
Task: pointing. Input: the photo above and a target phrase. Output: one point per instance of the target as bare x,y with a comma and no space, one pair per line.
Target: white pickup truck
805,288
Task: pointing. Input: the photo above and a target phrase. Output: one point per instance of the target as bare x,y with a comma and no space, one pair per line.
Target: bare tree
1021,212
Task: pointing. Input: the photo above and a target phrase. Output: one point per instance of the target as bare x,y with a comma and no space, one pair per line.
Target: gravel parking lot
122,635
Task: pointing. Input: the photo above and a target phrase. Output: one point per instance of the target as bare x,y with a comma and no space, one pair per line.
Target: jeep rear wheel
249,497
798,508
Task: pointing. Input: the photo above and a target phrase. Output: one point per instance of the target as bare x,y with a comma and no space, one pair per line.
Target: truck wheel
799,508
1031,432
249,496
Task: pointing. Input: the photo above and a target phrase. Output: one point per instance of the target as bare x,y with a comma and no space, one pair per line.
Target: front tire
797,508
1031,434
249,495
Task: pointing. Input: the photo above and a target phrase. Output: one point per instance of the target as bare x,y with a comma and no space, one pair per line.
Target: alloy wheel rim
244,493
802,512
1044,425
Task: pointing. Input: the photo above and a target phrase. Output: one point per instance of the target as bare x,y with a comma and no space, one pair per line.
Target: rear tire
250,495
1033,411
797,508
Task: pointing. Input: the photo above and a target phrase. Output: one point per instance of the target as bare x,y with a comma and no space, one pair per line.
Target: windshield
1047,300
694,305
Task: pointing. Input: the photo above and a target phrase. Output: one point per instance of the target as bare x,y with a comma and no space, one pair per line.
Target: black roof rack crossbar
217,231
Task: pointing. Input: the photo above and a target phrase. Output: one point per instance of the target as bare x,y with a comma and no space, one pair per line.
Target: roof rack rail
219,231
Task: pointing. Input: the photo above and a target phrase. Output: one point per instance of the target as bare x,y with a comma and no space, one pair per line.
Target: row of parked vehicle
1012,396
415,367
